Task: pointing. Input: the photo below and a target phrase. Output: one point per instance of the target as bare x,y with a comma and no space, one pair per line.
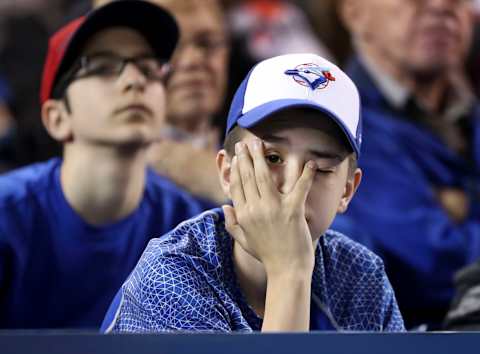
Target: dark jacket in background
397,209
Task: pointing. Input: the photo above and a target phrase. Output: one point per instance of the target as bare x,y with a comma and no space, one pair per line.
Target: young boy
268,262
72,229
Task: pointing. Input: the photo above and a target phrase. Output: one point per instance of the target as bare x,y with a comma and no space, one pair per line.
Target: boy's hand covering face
269,225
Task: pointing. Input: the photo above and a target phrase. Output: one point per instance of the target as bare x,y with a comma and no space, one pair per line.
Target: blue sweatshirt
396,212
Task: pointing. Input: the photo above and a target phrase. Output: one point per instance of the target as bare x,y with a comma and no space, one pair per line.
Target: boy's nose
132,77
289,175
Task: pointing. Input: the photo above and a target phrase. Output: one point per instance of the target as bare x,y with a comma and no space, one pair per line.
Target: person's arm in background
191,168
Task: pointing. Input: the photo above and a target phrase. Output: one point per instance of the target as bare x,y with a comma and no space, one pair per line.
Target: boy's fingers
236,188
247,172
263,177
304,183
232,226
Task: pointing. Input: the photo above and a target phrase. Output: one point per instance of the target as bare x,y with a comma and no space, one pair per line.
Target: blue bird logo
311,75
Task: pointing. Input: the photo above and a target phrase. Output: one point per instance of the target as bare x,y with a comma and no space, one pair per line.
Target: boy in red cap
72,229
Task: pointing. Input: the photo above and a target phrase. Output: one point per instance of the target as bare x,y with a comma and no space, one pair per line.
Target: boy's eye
324,171
274,159
326,166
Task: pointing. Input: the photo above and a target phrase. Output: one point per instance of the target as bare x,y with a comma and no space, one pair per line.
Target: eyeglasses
110,65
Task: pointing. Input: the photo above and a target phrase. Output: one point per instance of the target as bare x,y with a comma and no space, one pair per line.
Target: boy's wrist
290,274
287,301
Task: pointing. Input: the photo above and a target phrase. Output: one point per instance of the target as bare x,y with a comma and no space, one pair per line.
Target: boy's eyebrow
275,139
322,154
327,155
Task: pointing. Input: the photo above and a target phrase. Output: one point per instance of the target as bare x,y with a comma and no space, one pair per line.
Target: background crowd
417,67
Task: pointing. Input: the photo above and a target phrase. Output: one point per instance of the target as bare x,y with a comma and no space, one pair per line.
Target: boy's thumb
232,225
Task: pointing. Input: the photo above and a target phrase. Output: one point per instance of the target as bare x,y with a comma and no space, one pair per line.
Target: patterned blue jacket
186,281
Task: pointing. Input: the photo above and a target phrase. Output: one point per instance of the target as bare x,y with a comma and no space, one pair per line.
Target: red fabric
56,51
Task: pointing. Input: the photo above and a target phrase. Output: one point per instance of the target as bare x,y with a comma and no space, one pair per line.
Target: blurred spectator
329,28
195,93
419,200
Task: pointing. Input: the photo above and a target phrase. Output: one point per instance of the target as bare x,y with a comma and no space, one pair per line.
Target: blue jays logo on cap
311,75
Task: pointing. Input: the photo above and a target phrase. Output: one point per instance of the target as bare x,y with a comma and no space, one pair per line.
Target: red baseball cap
157,26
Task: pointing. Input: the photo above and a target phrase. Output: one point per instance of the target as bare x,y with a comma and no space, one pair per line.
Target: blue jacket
186,281
397,210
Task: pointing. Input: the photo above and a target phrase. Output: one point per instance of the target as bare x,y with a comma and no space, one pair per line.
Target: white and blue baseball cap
298,80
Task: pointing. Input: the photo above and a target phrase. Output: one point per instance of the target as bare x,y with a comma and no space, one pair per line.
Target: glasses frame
82,63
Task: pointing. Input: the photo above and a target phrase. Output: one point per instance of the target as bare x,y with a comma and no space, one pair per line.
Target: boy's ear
223,167
350,188
57,120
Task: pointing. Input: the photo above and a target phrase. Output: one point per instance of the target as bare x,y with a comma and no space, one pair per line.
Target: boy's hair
237,133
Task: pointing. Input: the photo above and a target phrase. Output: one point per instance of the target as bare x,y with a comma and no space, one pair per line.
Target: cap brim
157,26
262,112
